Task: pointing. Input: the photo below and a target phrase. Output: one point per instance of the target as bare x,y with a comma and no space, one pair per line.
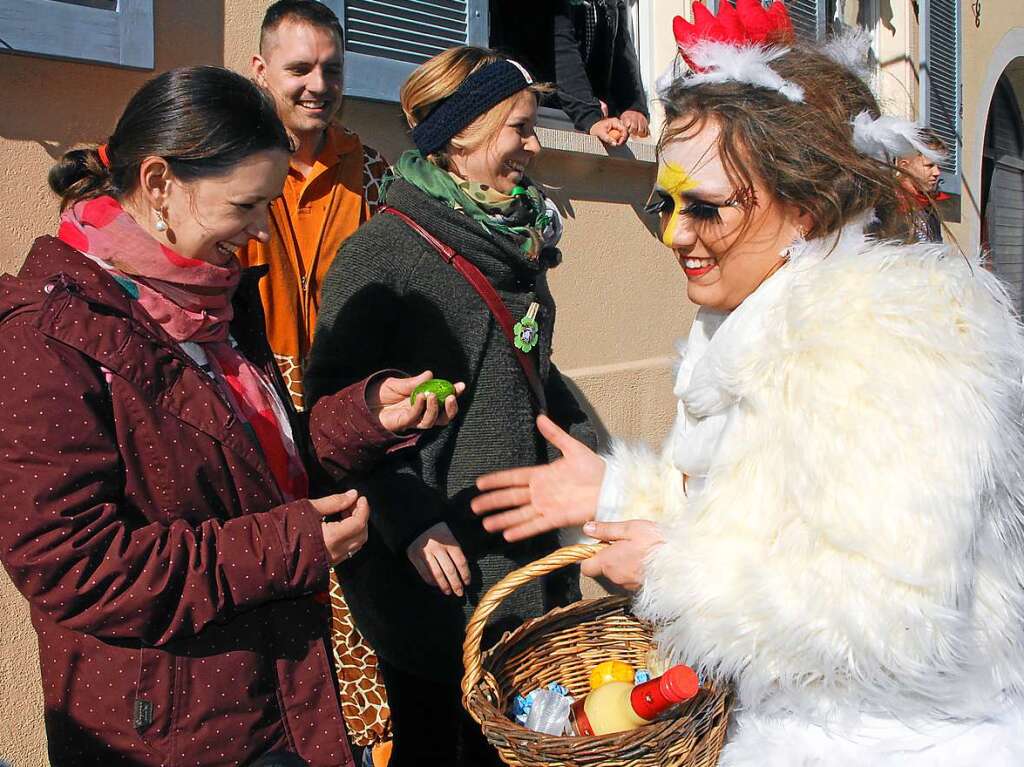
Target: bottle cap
679,683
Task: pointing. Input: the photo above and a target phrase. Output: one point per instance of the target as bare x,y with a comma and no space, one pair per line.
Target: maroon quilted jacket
171,590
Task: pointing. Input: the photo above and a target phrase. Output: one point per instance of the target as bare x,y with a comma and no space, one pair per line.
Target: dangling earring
161,224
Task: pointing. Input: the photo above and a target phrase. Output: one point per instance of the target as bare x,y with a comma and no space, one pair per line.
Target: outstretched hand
527,501
389,399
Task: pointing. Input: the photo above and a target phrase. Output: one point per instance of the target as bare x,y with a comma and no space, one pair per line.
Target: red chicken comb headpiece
749,23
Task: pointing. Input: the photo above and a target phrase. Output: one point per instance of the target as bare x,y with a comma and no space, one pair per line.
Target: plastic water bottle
549,713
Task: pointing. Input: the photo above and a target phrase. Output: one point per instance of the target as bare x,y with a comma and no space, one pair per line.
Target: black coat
585,49
595,61
390,301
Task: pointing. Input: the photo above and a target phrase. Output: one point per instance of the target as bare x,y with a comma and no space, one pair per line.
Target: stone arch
1002,182
1009,48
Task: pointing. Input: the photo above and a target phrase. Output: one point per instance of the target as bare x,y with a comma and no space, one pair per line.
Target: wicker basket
563,646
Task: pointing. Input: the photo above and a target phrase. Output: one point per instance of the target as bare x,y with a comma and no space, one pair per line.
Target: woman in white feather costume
835,523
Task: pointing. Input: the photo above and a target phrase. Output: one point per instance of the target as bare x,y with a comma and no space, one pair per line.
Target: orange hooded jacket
308,223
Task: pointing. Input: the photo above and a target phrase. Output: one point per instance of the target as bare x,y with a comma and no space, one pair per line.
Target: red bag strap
486,291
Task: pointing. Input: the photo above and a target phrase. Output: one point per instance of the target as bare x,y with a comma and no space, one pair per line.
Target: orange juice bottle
619,706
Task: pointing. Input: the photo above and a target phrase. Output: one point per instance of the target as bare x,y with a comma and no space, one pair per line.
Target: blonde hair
438,78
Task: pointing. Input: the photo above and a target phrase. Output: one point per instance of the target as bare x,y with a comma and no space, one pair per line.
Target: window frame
376,78
641,16
121,37
950,179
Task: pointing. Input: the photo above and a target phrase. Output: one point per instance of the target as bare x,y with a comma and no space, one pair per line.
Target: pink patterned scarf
163,282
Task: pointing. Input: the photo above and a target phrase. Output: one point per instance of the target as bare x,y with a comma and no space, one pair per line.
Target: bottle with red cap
620,706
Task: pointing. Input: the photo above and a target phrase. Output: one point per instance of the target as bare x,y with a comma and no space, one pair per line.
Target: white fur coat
848,545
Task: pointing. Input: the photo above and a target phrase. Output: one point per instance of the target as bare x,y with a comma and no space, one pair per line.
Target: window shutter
117,32
387,39
808,17
940,81
404,30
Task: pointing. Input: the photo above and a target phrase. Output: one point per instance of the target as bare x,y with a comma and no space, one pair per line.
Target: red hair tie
104,157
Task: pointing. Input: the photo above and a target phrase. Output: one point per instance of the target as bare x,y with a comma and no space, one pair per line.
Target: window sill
556,132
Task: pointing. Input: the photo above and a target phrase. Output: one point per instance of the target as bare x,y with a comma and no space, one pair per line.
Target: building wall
621,297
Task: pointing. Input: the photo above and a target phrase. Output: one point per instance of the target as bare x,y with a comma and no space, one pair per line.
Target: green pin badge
526,331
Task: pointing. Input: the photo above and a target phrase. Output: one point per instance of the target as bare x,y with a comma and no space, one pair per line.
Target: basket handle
472,658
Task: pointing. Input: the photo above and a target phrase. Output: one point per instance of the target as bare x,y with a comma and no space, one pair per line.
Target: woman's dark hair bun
80,174
202,120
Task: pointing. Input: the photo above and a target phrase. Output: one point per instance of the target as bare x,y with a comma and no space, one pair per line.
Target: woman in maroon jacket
151,467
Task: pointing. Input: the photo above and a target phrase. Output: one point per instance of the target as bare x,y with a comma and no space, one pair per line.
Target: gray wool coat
390,301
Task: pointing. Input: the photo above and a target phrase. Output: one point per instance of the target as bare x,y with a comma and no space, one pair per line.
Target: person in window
835,522
155,507
919,177
394,300
597,71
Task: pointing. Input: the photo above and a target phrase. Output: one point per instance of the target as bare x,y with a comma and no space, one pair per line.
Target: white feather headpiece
737,45
851,48
721,62
888,138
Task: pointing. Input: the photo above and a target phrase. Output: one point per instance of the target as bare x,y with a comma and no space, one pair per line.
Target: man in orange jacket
332,185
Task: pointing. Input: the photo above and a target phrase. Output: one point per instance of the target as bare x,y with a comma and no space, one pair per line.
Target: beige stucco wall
621,297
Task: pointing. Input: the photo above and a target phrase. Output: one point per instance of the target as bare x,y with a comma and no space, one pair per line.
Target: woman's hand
635,123
623,562
346,533
389,399
610,131
535,499
439,560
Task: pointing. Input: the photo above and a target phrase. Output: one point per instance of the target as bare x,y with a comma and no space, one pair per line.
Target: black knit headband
486,87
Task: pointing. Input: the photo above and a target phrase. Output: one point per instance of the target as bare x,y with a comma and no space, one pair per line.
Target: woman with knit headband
836,523
452,271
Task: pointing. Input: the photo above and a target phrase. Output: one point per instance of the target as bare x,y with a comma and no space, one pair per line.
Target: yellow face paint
675,182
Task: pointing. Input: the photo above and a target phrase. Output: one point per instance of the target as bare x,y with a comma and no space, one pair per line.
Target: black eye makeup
661,203
699,210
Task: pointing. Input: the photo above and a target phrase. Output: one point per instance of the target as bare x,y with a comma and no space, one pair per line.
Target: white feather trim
851,49
887,138
674,72
996,741
721,63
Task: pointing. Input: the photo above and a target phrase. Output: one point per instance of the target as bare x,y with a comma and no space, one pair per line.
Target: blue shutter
111,32
940,81
387,39
808,17
103,5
